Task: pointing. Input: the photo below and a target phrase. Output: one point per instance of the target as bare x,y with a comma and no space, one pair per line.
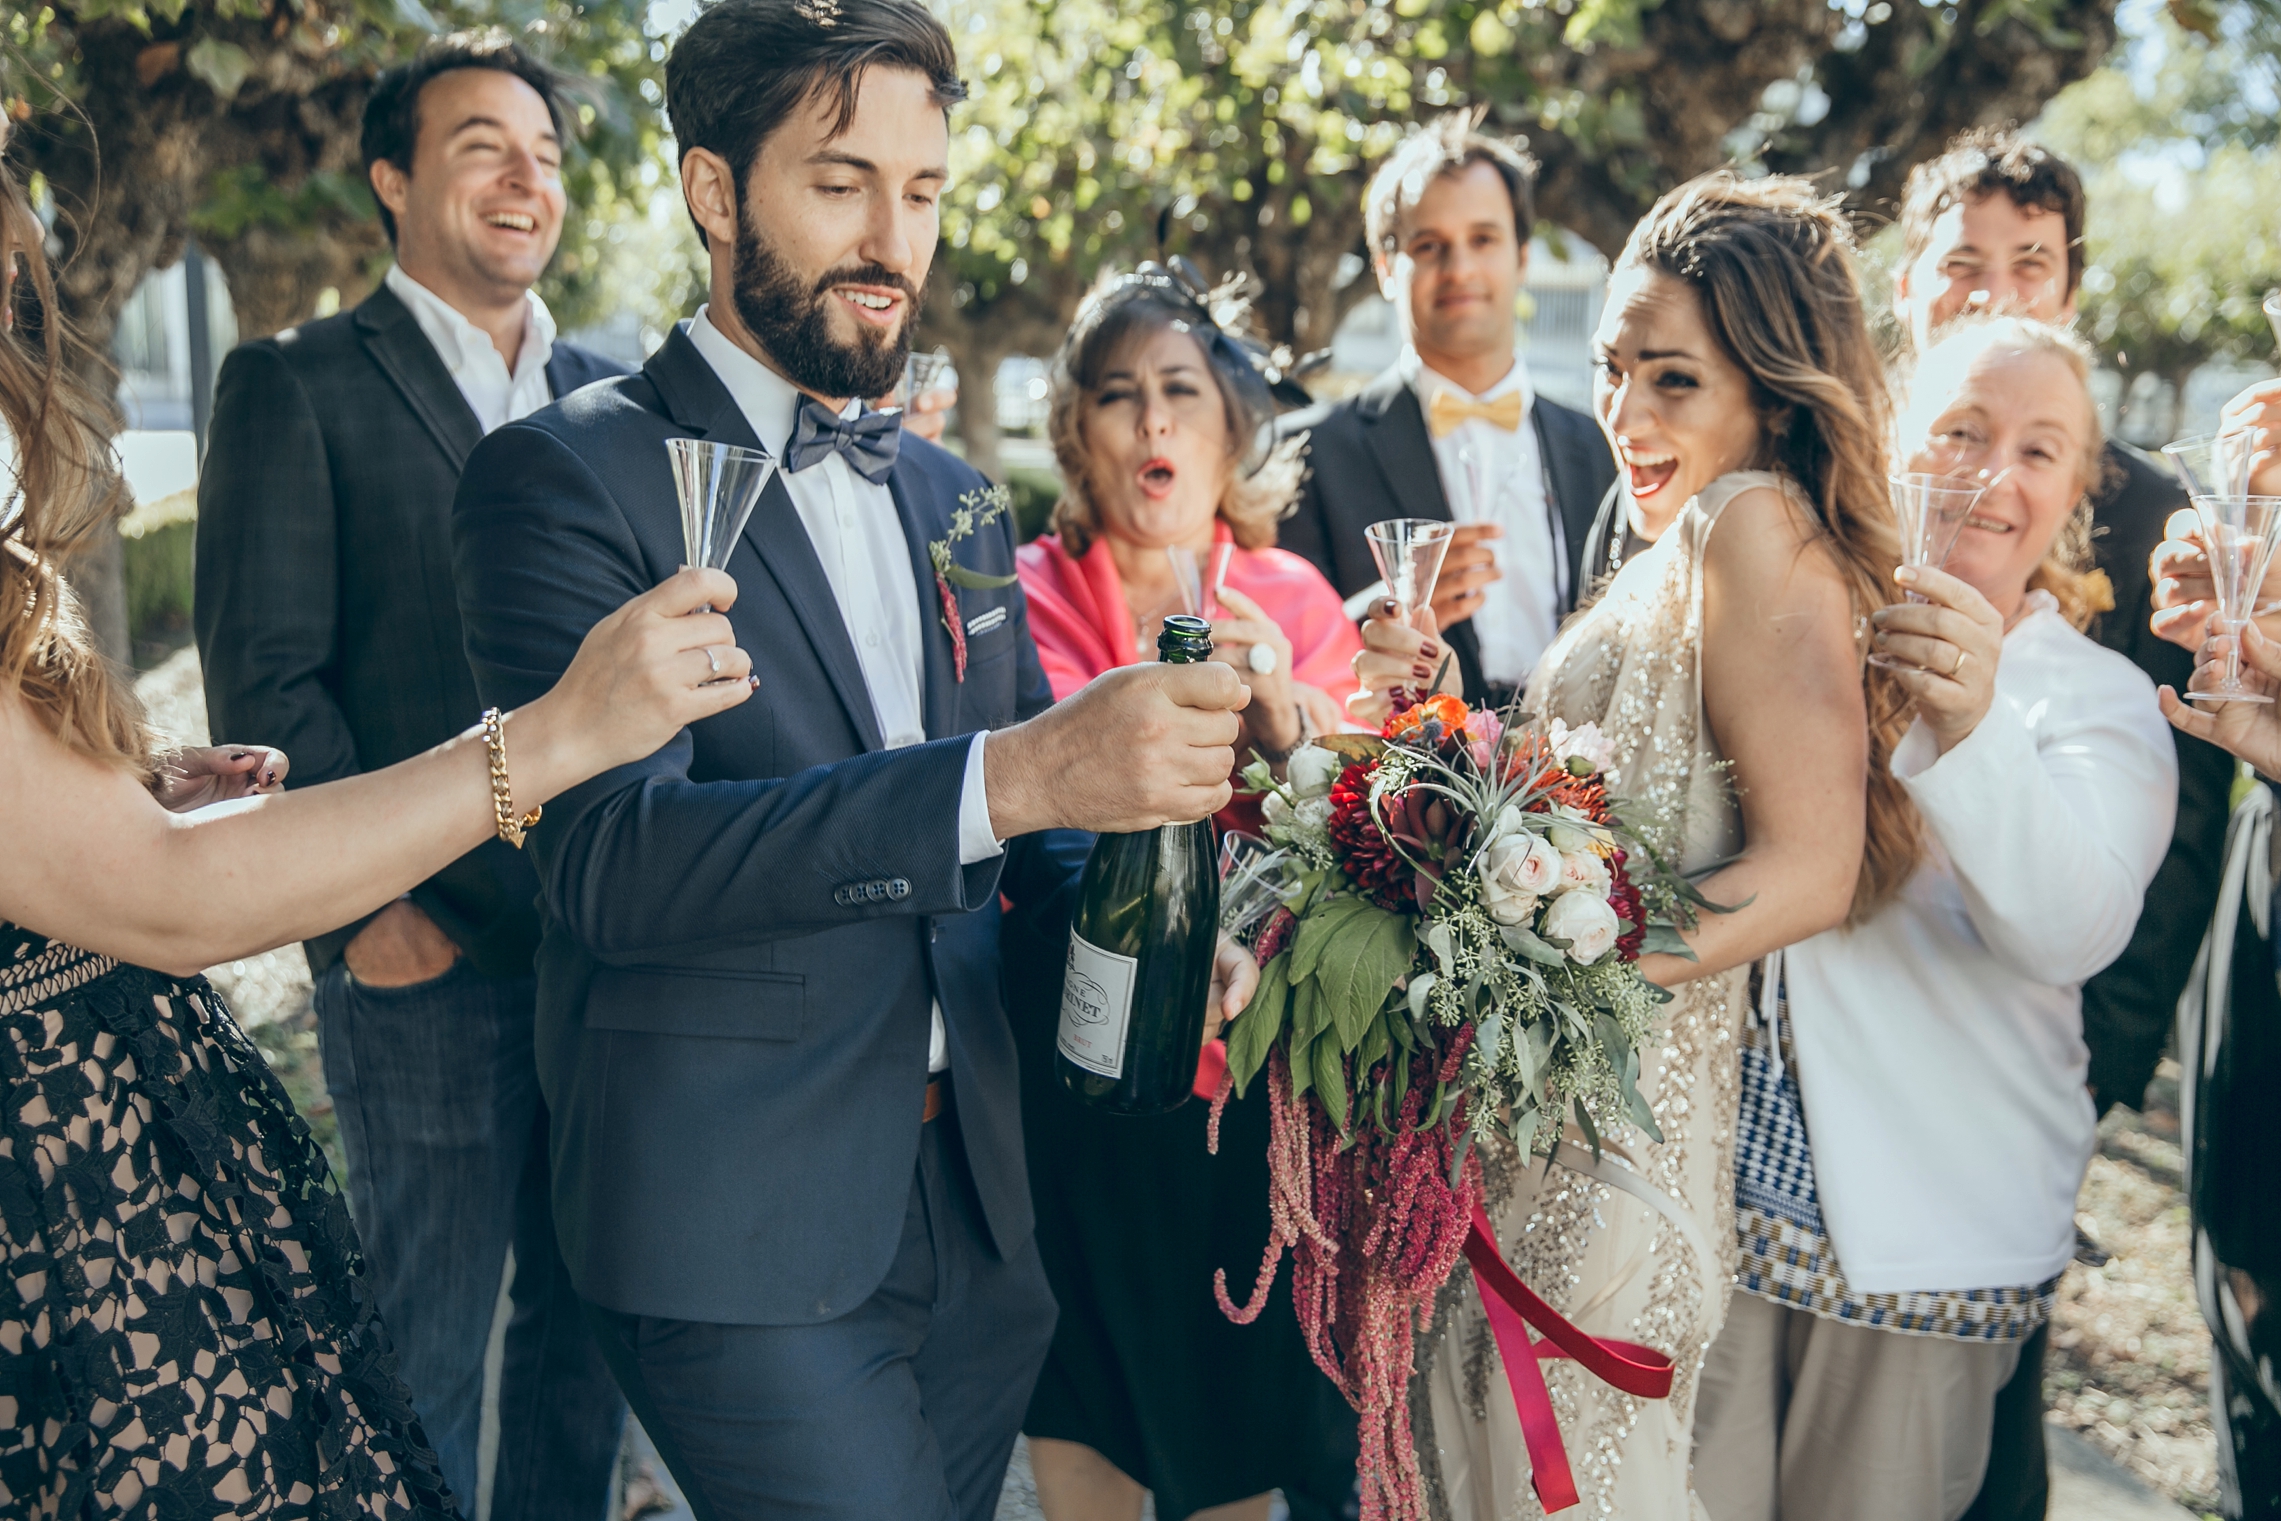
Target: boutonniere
976,509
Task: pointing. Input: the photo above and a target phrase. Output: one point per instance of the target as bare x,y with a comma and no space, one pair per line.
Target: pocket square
984,621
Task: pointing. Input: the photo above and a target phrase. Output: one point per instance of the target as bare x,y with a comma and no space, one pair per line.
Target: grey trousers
1804,1419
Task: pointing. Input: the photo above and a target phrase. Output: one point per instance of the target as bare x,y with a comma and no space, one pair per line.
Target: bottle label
1096,1004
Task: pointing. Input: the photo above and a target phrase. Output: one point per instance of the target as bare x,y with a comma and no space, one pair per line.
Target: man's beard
792,321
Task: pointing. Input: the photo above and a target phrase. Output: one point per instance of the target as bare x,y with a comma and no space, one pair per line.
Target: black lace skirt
184,1328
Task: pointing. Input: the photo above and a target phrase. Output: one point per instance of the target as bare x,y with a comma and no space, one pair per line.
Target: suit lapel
1570,483
696,399
1397,439
925,519
393,338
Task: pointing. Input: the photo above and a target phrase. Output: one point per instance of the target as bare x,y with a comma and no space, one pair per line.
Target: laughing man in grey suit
328,626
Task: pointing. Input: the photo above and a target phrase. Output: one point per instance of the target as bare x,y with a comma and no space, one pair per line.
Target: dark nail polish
239,755
1429,649
1422,672
269,778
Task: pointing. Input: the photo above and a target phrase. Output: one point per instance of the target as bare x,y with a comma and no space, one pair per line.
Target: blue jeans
445,1132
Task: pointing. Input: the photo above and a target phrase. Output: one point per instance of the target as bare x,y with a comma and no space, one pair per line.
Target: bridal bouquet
1461,910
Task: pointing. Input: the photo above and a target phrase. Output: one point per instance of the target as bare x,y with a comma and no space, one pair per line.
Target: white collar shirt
1490,475
858,536
476,365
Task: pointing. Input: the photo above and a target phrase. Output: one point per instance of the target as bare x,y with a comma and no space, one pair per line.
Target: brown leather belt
938,1099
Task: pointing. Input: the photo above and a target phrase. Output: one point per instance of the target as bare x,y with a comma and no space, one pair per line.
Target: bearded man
786,1130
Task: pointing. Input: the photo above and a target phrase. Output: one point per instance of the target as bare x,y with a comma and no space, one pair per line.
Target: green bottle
1140,950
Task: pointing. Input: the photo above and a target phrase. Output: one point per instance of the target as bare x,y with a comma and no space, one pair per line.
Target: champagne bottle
1140,950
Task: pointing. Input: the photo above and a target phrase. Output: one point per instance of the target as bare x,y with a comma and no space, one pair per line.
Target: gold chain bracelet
502,796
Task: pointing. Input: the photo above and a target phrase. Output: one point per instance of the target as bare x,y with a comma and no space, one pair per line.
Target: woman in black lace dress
184,1333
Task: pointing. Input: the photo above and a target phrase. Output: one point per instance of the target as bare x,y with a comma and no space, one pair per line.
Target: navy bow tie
869,440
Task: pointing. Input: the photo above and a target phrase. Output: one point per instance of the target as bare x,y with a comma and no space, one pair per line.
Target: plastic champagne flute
717,484
923,372
2238,532
1931,510
2212,464
1250,882
1409,552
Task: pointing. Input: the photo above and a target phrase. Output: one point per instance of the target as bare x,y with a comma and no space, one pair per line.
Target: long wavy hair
64,487
1772,263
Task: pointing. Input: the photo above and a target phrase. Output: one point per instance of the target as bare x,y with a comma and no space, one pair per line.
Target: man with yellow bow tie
1453,430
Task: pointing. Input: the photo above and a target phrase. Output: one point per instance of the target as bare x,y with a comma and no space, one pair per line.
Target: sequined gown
1651,1263
184,1333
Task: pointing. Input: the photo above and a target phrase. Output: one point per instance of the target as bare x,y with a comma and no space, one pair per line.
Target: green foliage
2183,171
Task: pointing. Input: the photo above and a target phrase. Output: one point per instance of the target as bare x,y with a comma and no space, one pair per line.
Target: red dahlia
1623,897
1362,848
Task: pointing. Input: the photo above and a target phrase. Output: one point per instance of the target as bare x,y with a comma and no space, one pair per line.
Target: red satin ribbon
1513,1307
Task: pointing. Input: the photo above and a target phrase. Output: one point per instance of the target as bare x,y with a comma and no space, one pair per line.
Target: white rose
1312,771
1541,873
1313,813
1515,870
1584,869
1585,922
1275,810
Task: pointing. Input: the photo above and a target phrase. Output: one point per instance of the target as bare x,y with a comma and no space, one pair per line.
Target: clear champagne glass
2273,312
718,485
924,372
1931,510
2238,532
1200,578
2212,464
1250,882
1409,553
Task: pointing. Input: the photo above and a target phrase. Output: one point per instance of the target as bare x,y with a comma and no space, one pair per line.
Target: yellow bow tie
1447,412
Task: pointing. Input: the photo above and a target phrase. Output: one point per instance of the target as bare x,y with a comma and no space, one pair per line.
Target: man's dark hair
392,112
745,66
1990,161
1447,145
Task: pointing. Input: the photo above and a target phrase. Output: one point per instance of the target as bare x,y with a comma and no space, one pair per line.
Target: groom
786,1130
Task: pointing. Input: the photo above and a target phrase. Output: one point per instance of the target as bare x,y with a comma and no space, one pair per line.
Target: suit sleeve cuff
975,841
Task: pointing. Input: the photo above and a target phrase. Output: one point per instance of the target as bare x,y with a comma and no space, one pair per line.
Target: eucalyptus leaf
1525,941
1420,987
1665,940
1489,1038
1438,941
1591,1131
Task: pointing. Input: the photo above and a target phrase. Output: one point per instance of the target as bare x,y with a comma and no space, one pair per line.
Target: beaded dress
184,1330
1639,1244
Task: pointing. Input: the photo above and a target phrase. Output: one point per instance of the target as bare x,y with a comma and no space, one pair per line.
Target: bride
1739,388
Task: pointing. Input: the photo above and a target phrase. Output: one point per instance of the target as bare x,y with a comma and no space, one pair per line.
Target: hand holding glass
2238,534
717,485
1930,510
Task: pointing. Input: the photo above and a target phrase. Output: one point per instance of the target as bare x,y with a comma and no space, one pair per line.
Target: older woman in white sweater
1915,1123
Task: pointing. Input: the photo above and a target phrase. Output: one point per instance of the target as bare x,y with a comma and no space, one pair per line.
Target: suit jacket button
899,889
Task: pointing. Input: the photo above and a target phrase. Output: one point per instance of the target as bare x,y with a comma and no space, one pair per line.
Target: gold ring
1959,666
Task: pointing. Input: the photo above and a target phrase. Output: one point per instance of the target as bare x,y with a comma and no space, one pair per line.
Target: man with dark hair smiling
789,1173
1454,429
1996,224
326,623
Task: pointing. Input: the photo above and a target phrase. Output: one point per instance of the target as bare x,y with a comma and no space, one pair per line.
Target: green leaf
1591,1131
1317,931
1253,1034
1330,1081
1421,986
1489,1038
1528,943
1665,940
222,66
973,580
1308,1016
1358,968
1438,941
1376,1043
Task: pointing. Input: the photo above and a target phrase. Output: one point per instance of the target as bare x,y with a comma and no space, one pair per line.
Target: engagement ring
1261,660
712,660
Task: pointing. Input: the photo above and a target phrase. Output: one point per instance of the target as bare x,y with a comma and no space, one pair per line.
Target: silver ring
712,660
1261,660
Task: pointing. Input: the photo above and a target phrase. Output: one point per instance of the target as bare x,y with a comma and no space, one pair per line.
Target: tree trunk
977,357
276,275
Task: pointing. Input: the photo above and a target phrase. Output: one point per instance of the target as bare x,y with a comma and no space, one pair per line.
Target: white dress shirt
1492,476
476,365
858,535
1940,1043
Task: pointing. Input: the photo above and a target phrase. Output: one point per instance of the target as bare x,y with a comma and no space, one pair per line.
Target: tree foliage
2183,171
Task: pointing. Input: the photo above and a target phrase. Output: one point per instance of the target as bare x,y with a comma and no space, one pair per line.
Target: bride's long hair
60,489
1772,262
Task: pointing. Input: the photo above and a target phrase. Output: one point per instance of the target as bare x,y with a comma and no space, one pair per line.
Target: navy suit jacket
732,1031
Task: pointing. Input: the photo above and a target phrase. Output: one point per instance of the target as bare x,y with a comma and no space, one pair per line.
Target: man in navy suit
787,1135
